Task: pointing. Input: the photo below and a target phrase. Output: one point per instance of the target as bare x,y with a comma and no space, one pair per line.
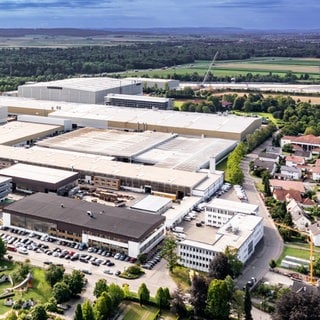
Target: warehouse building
65,123
134,177
242,233
79,90
155,83
115,229
231,127
18,133
135,101
29,178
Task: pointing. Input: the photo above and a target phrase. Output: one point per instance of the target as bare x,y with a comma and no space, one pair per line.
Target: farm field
280,66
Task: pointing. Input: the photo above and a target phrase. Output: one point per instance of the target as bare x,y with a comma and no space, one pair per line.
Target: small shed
153,204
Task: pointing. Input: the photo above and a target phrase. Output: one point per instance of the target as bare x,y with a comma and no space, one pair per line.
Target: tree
103,306
143,294
161,298
167,299
39,313
116,293
87,311
75,282
237,303
78,313
168,252
297,306
247,304
235,264
177,304
61,292
266,186
219,267
54,274
218,306
198,294
3,248
100,287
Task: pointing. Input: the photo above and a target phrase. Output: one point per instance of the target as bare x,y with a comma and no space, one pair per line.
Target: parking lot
24,242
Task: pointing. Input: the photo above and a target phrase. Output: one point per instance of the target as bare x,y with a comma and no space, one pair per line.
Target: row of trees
233,171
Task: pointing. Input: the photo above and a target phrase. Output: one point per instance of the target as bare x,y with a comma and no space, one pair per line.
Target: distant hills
74,32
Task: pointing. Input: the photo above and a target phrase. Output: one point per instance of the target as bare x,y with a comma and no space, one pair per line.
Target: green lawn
135,312
180,275
298,251
40,292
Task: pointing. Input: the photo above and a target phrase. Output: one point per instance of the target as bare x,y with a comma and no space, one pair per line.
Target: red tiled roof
315,169
295,159
285,195
310,138
308,202
287,185
317,163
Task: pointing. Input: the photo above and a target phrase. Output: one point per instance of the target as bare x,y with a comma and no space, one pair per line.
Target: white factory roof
151,203
236,206
186,153
136,97
87,84
100,164
107,142
14,131
37,173
165,118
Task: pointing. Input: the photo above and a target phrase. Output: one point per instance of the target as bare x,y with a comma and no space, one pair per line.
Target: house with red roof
307,142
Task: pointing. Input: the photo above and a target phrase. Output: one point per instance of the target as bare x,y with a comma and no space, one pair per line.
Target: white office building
242,233
219,211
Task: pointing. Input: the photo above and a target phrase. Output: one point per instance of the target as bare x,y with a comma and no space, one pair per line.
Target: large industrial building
19,133
135,101
136,119
160,149
29,178
116,229
79,90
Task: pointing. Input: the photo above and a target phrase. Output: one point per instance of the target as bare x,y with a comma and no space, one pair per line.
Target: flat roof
17,131
136,97
151,203
242,207
86,84
151,79
117,221
100,165
166,118
5,179
37,173
234,233
187,153
107,142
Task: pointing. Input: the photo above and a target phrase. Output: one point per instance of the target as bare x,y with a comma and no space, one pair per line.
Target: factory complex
145,168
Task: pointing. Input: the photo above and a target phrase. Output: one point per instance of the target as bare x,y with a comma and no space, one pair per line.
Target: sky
104,14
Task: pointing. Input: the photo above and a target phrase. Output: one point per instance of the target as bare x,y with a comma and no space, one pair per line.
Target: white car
22,250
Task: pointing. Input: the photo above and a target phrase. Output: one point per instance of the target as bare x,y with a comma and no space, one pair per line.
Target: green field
135,312
233,68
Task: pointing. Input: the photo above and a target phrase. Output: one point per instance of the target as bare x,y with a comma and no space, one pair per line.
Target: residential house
315,233
292,173
265,156
274,150
315,173
286,195
299,218
287,185
270,166
294,161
